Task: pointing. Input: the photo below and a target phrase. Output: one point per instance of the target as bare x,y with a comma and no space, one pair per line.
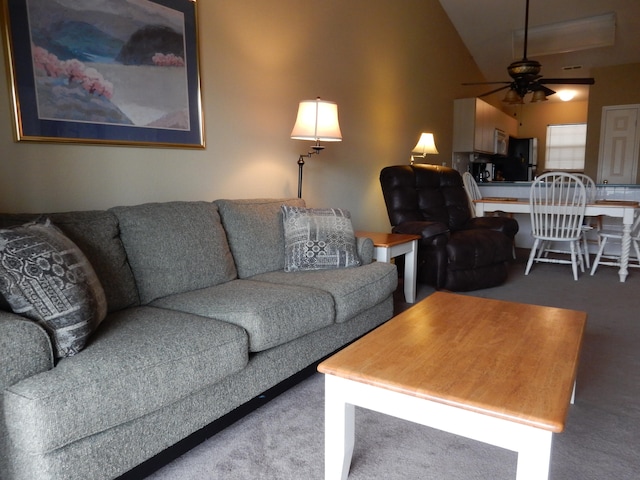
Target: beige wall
394,69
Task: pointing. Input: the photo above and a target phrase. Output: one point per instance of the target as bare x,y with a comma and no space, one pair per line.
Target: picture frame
114,72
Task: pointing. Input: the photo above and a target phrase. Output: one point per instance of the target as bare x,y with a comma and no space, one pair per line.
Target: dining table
623,209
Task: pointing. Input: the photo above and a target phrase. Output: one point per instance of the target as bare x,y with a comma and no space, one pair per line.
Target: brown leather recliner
457,251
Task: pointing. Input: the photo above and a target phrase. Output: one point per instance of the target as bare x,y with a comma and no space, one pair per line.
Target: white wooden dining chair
589,225
557,203
472,189
473,193
587,228
615,235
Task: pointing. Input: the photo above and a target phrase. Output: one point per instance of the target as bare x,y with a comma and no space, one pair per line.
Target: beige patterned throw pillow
318,238
45,277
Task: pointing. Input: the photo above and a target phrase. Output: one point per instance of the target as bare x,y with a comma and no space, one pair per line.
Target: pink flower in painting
46,62
74,70
168,60
94,83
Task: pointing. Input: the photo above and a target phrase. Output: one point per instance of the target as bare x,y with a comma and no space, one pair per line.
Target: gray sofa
201,319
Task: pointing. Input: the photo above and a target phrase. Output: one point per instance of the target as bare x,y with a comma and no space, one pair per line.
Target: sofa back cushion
255,232
96,234
175,247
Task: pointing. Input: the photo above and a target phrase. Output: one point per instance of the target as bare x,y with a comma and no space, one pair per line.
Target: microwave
500,142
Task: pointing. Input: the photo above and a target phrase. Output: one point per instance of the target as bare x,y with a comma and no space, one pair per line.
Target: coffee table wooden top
503,359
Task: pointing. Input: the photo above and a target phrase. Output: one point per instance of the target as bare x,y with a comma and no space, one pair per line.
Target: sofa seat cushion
353,290
138,361
175,247
255,232
469,249
271,314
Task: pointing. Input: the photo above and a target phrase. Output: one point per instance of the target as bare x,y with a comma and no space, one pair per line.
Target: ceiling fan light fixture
538,96
566,95
512,97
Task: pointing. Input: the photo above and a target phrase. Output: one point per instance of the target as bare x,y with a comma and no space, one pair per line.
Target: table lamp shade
317,121
426,145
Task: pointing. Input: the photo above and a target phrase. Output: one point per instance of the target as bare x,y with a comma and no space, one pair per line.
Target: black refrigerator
521,161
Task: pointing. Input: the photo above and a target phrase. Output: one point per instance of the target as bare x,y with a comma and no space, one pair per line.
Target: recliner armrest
506,225
429,231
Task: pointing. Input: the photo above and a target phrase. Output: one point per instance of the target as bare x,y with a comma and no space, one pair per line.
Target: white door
619,142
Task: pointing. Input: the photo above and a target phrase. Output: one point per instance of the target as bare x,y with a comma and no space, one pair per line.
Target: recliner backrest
425,193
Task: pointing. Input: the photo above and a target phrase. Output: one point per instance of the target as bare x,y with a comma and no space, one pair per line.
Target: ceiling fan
526,77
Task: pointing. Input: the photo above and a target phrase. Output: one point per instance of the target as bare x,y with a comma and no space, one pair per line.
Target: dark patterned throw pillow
318,238
45,277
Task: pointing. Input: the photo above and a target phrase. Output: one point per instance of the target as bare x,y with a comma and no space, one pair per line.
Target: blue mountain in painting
80,40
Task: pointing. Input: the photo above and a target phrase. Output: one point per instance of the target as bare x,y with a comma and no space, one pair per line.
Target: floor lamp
317,121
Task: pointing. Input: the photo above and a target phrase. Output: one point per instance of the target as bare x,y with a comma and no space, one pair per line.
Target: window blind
565,148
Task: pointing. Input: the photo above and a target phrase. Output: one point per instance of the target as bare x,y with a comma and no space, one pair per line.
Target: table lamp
426,145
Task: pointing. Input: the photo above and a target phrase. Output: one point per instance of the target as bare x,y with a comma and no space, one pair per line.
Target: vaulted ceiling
486,27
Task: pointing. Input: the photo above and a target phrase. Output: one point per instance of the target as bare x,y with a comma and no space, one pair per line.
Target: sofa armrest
25,349
429,231
365,249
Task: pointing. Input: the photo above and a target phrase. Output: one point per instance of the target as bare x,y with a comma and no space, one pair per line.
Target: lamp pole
315,149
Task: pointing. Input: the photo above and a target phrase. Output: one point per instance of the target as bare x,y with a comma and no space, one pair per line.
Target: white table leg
382,254
626,246
410,271
339,434
533,445
534,458
410,252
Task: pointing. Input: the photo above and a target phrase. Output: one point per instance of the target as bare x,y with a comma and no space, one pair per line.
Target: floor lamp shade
317,121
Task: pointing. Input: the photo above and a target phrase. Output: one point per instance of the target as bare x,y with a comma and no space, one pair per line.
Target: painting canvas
105,71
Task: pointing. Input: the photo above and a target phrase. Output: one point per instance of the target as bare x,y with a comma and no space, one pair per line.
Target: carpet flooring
284,439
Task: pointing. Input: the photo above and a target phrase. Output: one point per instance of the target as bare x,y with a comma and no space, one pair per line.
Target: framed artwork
119,72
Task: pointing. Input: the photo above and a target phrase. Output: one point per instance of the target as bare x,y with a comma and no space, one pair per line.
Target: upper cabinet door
474,125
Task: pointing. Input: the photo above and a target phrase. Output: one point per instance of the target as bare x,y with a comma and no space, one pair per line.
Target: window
566,146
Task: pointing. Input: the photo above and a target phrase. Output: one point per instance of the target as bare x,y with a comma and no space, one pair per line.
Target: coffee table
498,372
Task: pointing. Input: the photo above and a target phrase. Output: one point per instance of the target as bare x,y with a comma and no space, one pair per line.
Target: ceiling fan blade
494,91
568,81
537,86
484,83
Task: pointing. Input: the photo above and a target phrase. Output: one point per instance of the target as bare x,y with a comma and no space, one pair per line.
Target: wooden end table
390,245
498,372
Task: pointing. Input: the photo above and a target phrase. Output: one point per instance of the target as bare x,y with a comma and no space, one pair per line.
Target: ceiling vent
569,36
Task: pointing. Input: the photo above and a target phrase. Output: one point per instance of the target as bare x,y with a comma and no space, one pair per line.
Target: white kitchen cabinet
474,125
